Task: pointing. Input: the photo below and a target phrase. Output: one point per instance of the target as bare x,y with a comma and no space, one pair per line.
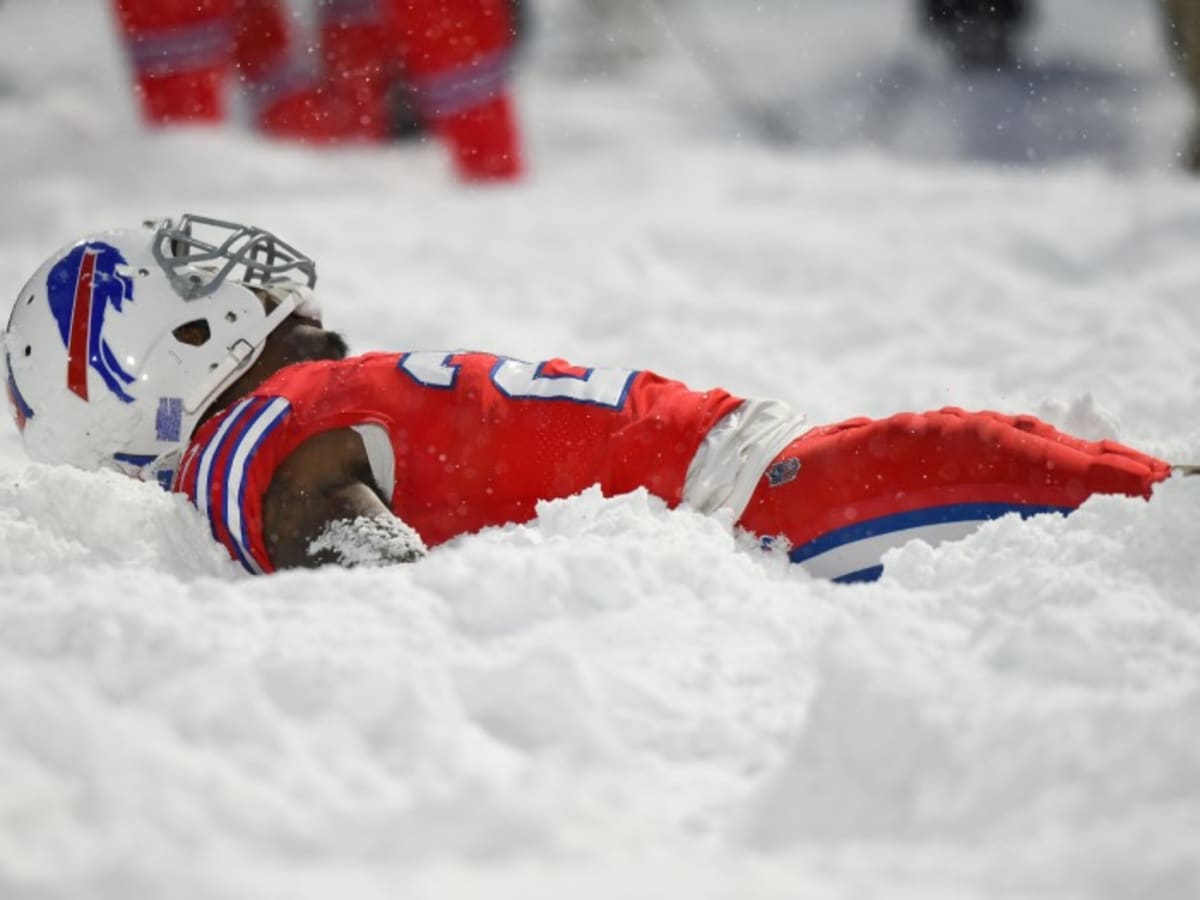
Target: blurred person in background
978,34
1183,34
445,63
984,34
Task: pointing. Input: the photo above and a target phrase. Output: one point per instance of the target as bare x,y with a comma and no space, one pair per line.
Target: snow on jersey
475,439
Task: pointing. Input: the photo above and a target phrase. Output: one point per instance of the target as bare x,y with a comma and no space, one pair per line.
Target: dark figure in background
978,34
1183,36
983,34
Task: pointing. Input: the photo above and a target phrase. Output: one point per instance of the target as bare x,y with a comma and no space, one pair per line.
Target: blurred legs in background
982,35
978,34
456,58
447,61
184,51
313,97
1183,23
180,52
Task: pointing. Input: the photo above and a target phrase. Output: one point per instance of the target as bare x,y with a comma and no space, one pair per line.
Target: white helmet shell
101,372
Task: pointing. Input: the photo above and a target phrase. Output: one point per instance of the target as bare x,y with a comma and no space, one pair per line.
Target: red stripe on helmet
81,323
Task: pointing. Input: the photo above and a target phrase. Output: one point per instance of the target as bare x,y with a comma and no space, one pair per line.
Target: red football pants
181,51
841,495
453,56
456,57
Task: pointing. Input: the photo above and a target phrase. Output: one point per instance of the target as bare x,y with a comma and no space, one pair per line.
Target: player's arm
323,507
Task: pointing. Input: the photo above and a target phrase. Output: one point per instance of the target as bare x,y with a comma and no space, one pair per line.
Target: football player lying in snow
193,353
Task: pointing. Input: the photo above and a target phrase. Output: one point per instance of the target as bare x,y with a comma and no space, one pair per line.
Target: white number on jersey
525,380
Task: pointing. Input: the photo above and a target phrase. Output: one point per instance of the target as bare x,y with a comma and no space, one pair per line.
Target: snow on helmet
120,342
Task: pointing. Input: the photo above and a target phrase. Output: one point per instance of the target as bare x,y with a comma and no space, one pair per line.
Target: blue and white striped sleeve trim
224,465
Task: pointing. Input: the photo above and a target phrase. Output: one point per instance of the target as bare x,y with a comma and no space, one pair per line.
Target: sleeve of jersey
667,423
225,477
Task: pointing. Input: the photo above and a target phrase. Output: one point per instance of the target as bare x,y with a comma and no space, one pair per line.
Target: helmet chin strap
241,353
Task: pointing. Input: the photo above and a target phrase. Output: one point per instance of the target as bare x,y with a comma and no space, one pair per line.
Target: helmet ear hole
194,333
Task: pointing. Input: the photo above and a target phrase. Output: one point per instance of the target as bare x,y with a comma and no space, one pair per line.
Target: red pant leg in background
842,494
456,57
337,95
272,73
360,66
181,51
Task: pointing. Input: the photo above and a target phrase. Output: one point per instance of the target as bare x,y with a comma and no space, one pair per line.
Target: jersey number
527,381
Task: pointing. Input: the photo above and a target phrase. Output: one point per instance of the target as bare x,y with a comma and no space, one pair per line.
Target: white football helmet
119,343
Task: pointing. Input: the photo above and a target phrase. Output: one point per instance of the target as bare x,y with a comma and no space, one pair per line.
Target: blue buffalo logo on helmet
84,287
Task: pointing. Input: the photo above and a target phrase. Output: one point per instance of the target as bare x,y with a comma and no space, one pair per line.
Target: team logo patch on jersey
168,422
84,288
783,471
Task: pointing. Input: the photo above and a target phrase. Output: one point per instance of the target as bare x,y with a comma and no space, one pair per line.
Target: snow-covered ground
618,700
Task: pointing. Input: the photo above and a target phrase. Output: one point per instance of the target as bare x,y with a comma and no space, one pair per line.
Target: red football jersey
475,439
